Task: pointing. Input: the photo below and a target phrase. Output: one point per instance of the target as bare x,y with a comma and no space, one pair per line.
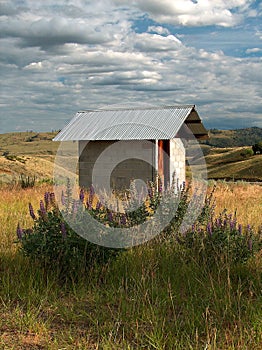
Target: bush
222,240
246,153
52,242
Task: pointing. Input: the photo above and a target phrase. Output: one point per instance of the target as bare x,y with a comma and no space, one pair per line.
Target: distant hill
234,138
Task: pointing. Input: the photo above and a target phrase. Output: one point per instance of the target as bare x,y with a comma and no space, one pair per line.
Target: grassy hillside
27,153
232,163
28,143
32,154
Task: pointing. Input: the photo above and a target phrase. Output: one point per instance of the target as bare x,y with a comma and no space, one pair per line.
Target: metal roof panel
126,124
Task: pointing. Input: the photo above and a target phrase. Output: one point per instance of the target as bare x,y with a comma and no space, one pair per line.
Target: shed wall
177,161
113,164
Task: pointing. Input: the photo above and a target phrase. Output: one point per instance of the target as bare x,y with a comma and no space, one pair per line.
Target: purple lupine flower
232,224
63,198
250,244
74,206
63,229
123,219
98,205
219,222
193,227
89,204
209,228
240,229
248,228
150,192
47,199
31,211
42,209
110,216
82,195
92,190
90,197
19,232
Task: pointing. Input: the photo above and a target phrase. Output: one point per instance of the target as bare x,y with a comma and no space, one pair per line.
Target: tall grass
155,296
243,198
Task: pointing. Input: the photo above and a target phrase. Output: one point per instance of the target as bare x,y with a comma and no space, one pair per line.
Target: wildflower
74,206
150,190
63,229
232,224
92,190
63,198
110,216
98,205
209,229
31,211
240,229
82,195
19,232
42,209
89,204
219,222
123,219
47,199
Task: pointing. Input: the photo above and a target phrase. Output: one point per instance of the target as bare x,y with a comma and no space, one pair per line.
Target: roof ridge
137,108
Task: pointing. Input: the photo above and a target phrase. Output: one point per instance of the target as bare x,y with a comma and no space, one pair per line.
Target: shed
117,145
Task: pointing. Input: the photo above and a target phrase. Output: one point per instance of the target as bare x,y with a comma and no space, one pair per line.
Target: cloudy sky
59,57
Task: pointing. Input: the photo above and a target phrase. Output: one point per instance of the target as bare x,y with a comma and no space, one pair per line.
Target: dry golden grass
14,208
39,166
244,198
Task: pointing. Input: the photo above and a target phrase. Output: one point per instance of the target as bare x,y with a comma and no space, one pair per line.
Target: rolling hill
33,154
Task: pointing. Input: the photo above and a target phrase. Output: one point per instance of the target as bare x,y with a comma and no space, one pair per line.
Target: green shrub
222,240
246,153
52,242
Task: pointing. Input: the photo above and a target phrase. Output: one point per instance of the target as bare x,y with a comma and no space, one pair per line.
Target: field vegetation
159,295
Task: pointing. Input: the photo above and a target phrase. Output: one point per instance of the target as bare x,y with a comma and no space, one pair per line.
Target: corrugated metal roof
126,123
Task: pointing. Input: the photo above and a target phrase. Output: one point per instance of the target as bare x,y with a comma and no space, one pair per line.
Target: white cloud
197,13
154,42
159,30
254,50
58,59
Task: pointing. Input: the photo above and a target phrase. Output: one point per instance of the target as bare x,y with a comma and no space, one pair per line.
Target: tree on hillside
257,148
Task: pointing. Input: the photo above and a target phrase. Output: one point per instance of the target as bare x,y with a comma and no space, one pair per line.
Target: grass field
151,297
